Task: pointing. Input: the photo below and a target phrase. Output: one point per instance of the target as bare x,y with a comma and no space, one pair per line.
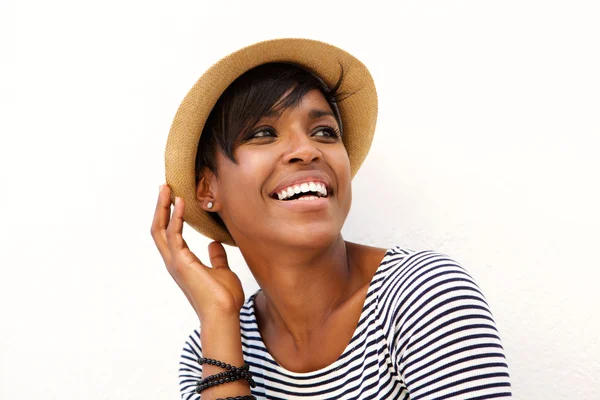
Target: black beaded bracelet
238,398
224,377
230,375
221,364
246,375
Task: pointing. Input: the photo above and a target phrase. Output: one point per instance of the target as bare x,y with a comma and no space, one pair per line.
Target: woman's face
291,183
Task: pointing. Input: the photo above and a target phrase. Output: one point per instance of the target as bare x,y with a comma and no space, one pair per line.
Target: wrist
221,340
219,322
218,315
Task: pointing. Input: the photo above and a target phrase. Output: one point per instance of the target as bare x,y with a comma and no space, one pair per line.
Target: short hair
250,97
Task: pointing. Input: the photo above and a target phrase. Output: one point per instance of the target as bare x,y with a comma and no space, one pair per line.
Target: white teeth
322,189
305,187
308,198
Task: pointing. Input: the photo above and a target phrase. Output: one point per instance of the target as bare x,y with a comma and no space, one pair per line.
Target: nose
301,149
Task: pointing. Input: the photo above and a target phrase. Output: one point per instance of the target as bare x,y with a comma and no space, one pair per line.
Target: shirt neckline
349,347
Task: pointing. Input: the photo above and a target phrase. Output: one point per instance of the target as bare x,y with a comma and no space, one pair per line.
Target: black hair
250,97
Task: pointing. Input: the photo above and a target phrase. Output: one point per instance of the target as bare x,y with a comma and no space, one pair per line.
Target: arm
222,343
215,293
221,340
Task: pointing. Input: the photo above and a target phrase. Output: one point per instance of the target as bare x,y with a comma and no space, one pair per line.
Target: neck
301,288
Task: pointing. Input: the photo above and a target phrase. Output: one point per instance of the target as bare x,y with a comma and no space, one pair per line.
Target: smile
304,191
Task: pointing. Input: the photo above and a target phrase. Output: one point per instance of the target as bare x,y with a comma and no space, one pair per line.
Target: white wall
486,149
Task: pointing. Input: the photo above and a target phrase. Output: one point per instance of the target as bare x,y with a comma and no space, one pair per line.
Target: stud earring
209,205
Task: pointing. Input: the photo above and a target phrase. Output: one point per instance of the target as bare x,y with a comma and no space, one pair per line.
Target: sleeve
189,369
445,341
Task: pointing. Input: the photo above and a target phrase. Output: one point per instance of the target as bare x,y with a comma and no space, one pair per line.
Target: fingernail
177,199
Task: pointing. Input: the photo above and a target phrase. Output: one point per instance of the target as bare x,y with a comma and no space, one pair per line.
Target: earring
209,205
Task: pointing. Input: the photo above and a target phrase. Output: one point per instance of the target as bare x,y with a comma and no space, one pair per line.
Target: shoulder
401,262
435,318
407,276
426,292
419,287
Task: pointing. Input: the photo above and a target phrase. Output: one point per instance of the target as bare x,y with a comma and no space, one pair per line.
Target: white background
486,149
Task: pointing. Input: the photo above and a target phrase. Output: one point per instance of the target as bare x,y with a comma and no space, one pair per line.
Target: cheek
341,165
243,180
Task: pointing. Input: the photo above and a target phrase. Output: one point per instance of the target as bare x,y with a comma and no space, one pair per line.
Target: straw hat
358,112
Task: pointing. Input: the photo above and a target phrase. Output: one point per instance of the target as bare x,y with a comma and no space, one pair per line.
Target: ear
206,191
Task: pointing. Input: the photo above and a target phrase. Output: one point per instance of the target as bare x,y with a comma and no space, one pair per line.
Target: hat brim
358,112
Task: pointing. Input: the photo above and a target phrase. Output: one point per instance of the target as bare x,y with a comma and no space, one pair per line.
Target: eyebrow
312,114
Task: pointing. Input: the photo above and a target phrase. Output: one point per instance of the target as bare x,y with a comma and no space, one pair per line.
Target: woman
261,155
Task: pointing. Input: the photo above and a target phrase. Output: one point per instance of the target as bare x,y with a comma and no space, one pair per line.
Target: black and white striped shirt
425,332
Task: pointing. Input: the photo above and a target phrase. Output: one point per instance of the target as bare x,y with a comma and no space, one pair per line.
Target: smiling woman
261,155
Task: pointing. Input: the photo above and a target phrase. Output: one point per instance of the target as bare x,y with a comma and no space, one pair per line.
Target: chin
311,236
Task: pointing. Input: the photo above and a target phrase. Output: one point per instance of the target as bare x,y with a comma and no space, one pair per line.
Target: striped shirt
425,332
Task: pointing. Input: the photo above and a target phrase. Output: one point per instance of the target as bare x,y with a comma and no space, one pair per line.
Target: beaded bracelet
238,398
224,377
221,364
230,375
236,373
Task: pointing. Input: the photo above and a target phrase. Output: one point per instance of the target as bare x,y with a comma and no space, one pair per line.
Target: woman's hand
213,292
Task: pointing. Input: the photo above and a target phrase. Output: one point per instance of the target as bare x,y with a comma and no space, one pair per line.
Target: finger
175,228
177,246
161,221
217,255
189,256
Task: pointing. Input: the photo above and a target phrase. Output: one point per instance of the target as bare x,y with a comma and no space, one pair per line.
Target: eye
328,132
263,132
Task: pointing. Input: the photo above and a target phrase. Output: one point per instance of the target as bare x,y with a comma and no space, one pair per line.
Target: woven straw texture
358,112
